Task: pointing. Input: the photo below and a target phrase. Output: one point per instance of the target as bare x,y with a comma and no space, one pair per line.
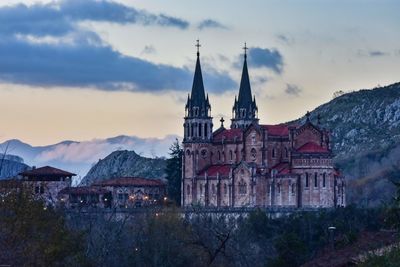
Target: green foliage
34,235
391,259
174,173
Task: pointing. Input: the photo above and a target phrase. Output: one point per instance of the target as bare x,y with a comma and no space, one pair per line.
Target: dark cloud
285,39
80,58
209,23
61,17
263,58
292,89
376,53
88,65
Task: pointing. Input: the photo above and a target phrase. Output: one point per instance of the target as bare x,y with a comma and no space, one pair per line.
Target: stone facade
253,164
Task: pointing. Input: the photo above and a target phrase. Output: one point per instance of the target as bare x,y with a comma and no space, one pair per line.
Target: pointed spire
245,98
198,96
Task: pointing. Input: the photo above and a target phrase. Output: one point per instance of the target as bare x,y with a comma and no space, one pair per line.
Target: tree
32,234
174,172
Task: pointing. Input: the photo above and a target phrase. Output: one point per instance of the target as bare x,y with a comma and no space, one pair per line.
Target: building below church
252,164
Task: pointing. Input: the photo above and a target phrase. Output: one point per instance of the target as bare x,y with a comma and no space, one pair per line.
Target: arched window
188,153
191,130
324,179
315,179
293,188
219,155
230,155
242,188
199,129
273,153
306,179
279,188
201,189
225,189
206,130
286,152
188,189
213,189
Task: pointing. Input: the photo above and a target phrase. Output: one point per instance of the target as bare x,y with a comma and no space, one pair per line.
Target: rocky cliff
11,165
123,164
365,128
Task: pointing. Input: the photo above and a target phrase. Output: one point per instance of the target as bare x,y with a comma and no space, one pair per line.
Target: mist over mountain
11,166
79,157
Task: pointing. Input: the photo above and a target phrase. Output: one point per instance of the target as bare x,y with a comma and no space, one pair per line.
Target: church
251,164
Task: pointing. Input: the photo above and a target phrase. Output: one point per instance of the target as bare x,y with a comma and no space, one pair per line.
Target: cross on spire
198,46
245,48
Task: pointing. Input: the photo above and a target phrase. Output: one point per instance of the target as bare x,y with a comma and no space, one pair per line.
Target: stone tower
198,128
244,111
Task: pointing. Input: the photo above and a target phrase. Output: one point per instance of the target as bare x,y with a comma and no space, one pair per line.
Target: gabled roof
131,181
312,147
277,130
228,134
47,171
213,170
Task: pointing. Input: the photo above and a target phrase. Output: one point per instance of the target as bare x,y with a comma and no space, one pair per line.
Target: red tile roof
228,135
47,171
212,170
83,190
277,130
282,168
312,147
131,181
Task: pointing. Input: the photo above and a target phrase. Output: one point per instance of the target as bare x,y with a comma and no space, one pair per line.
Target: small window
293,188
273,153
279,188
201,189
225,189
199,128
324,180
306,179
242,188
203,153
188,189
213,189
230,155
219,155
286,152
253,154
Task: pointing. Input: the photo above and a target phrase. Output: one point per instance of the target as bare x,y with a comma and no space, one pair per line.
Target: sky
84,70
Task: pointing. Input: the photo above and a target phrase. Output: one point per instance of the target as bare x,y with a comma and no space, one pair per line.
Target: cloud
149,49
371,53
209,23
263,58
43,45
292,89
60,17
285,39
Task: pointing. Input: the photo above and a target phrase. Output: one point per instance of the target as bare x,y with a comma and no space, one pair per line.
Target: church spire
198,121
244,107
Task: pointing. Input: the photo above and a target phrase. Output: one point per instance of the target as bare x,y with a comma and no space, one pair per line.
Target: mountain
79,157
11,165
365,128
124,164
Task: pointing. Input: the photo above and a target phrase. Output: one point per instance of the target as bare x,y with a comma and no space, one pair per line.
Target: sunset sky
79,70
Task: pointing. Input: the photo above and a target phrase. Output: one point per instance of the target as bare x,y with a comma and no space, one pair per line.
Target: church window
188,189
279,188
293,188
203,153
315,179
199,129
188,153
230,155
286,152
253,154
206,130
273,153
213,189
324,179
242,188
225,189
191,130
306,179
219,155
201,189
253,138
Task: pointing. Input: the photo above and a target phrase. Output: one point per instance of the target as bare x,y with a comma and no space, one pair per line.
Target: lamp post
332,236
